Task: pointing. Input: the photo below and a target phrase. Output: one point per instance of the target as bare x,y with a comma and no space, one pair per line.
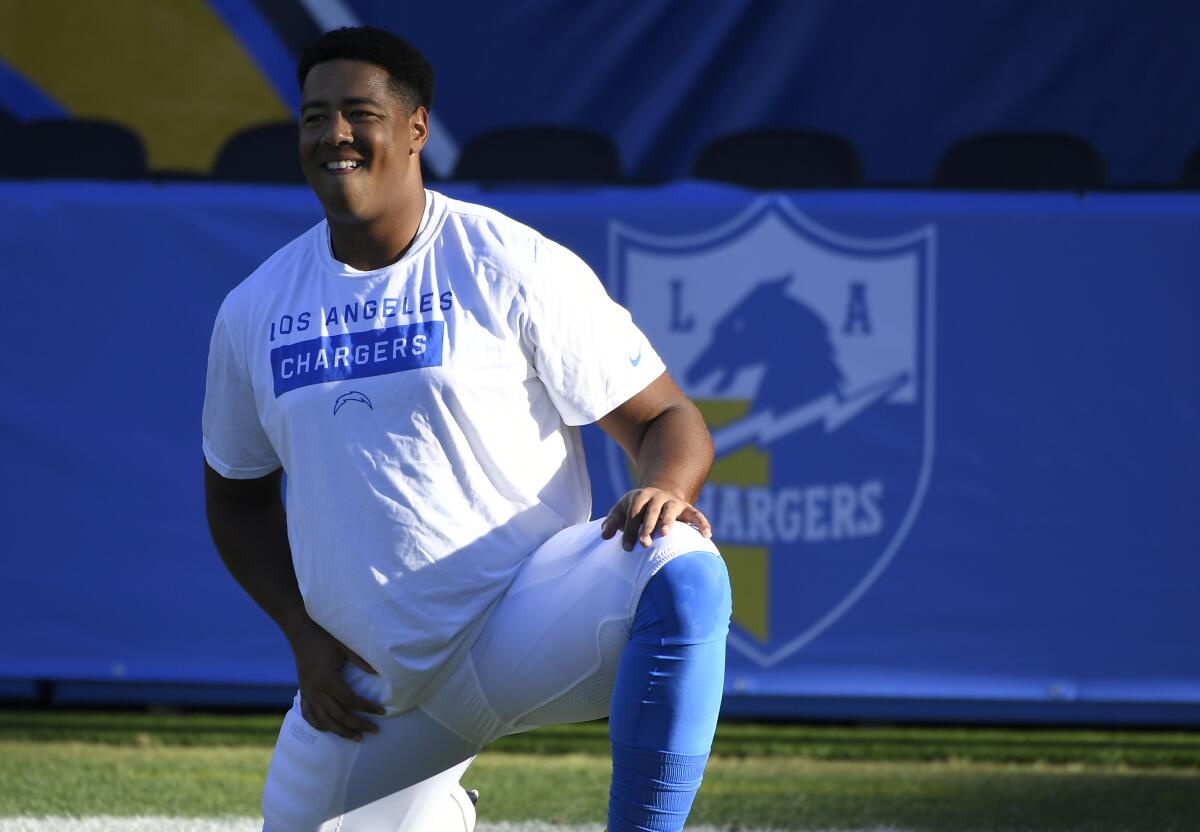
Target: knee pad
404,778
688,601
299,794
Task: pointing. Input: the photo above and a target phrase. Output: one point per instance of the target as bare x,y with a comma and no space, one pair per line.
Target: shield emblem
810,354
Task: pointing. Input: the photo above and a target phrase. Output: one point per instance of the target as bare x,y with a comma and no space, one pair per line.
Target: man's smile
341,167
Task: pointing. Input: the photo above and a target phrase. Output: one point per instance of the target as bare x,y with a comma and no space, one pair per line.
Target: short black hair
410,75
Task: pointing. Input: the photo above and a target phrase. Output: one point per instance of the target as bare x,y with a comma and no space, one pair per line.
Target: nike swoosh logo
636,361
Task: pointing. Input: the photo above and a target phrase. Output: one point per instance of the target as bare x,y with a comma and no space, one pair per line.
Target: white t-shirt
426,416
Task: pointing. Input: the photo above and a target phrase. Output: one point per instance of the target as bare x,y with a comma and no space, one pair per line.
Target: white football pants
548,654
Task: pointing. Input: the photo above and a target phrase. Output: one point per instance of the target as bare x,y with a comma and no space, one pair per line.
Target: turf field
98,767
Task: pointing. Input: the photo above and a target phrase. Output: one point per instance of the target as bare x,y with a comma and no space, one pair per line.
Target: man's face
358,142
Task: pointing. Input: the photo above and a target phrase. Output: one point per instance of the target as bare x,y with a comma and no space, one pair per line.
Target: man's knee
686,602
302,787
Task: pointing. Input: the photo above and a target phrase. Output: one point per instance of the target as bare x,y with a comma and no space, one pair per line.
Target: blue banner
957,435
350,355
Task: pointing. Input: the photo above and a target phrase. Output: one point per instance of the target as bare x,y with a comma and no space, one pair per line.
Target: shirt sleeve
235,444
587,351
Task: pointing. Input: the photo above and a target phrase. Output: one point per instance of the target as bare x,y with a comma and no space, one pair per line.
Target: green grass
1092,748
787,776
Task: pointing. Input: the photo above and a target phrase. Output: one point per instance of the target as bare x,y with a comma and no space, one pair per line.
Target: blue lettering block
374,352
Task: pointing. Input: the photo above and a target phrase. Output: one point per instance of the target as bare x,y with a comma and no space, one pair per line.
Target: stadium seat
266,153
1019,161
8,123
1189,177
780,158
540,154
71,149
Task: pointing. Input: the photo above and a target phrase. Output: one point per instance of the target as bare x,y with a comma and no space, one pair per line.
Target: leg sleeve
668,695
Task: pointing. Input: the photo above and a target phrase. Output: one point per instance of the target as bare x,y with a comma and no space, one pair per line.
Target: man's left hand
642,512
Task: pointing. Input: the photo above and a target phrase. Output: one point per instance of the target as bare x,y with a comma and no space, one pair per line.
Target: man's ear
418,127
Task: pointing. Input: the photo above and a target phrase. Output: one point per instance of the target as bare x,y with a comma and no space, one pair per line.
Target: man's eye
313,119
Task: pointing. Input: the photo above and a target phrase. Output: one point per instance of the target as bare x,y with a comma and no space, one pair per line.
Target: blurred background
929,269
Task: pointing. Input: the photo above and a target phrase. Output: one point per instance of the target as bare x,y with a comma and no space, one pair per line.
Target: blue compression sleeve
667,695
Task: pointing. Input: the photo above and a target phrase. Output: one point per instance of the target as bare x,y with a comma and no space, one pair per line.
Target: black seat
1189,177
1022,162
265,153
540,154
8,123
780,158
71,149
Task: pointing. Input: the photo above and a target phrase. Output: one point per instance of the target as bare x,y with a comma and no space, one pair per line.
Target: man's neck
380,241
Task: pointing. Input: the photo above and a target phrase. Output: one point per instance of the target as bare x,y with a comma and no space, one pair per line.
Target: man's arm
249,527
665,436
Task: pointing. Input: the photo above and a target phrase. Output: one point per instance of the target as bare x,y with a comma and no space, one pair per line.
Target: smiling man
420,367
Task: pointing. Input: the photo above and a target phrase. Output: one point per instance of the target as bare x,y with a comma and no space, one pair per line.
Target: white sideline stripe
164,824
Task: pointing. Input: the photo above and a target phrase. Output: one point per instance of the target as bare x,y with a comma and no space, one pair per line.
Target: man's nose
337,131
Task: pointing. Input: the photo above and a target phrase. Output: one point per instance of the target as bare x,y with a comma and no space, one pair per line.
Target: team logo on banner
810,354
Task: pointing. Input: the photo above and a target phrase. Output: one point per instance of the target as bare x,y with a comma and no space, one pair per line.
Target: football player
420,367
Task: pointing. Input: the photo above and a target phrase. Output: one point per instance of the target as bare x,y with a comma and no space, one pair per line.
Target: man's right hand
326,701
249,527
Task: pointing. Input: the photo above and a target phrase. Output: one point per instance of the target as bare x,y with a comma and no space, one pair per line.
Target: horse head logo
770,327
809,352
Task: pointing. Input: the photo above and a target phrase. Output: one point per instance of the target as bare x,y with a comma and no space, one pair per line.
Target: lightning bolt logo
352,396
835,410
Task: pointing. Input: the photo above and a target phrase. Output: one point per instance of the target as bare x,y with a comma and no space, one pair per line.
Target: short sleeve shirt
427,417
